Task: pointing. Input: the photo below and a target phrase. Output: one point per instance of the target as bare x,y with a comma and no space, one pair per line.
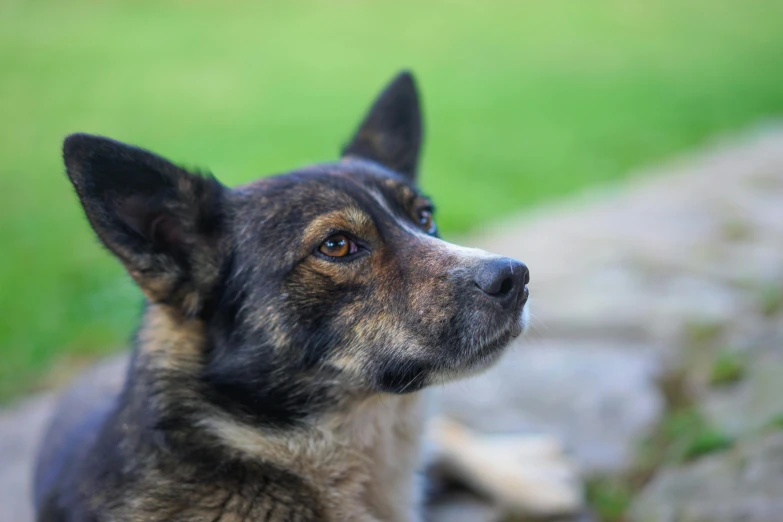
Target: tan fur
361,461
168,340
349,219
384,327
528,475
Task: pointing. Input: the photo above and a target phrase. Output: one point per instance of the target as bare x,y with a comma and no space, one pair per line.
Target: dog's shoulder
92,466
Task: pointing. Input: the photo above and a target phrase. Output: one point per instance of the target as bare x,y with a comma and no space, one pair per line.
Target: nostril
506,286
501,278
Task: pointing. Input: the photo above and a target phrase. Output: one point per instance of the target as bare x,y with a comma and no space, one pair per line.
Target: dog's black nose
502,278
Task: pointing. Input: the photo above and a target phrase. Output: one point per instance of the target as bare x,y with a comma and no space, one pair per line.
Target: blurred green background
524,102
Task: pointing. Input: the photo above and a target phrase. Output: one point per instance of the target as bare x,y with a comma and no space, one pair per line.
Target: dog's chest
359,464
387,432
363,462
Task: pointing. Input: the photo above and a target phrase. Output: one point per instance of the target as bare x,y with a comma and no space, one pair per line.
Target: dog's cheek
309,294
322,314
381,349
369,331
399,321
395,345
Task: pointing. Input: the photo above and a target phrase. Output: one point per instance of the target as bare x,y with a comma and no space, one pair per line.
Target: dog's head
308,284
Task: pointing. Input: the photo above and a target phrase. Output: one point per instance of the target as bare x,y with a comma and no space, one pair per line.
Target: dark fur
246,320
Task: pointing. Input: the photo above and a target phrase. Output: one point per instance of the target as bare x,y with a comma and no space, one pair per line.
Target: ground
655,355
524,102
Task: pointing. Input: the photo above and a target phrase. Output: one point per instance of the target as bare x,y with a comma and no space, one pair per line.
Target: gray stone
597,399
20,432
464,508
742,484
22,428
752,403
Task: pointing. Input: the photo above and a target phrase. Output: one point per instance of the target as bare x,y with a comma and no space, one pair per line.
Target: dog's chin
482,356
496,343
524,320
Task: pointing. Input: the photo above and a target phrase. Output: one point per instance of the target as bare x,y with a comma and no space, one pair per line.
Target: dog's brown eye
426,222
338,245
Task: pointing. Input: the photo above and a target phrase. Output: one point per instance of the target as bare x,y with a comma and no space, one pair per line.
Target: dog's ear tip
73,145
77,142
79,147
405,77
404,84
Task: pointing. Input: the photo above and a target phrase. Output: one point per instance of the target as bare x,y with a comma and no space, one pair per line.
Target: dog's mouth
485,348
502,337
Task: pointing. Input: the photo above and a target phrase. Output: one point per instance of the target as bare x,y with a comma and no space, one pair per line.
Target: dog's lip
502,338
487,352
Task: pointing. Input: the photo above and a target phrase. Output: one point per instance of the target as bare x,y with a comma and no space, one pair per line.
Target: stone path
20,429
676,272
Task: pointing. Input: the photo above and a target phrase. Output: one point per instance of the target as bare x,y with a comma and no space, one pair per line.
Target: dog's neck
360,458
362,462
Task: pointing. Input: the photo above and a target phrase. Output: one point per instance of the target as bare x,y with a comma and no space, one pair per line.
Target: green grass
609,498
771,300
525,101
727,368
683,435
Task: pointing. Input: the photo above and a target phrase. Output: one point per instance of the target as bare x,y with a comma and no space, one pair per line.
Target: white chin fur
524,317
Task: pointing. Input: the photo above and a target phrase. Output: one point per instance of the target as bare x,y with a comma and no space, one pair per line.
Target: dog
290,328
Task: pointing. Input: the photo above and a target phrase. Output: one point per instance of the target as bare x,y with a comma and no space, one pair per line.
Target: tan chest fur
362,463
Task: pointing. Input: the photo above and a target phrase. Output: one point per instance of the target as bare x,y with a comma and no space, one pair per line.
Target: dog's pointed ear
162,222
391,132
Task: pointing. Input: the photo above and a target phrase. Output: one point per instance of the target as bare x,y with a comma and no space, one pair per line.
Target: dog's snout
502,278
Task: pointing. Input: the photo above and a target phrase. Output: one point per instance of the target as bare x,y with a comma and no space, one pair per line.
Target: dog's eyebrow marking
348,218
408,195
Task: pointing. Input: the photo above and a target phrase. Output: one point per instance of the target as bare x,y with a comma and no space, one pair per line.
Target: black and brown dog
290,325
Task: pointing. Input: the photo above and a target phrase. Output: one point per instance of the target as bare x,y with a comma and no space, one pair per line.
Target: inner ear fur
162,222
